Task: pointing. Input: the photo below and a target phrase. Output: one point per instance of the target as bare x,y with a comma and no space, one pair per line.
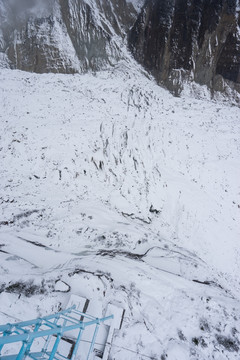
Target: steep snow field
126,195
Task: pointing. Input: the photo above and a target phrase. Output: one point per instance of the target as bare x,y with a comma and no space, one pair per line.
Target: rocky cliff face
194,40
176,40
64,35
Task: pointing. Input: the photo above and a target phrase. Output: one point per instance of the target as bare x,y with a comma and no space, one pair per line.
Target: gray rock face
176,40
198,40
63,35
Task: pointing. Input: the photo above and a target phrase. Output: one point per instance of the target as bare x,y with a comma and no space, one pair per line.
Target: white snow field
115,190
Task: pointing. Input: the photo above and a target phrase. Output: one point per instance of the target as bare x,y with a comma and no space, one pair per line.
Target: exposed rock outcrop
176,40
193,40
64,35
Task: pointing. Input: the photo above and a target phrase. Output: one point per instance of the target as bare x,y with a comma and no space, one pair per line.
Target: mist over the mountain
15,13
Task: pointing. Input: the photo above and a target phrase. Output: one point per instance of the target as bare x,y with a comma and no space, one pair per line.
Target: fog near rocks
14,12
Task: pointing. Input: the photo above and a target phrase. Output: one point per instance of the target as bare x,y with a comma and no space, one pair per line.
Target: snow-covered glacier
127,195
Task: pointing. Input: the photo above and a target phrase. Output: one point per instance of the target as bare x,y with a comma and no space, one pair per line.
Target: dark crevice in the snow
113,253
16,257
214,284
32,242
5,222
67,286
5,252
228,343
209,283
25,214
154,211
148,221
36,243
20,216
140,257
27,288
135,256
98,274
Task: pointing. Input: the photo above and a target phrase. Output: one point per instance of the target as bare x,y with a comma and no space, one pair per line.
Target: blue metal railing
47,327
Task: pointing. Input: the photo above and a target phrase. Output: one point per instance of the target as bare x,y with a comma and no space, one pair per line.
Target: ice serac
63,36
198,40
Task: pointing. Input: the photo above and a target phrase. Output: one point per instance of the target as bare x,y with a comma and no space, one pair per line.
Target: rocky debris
27,288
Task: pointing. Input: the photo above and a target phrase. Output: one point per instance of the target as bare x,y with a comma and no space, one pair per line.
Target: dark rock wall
188,39
176,40
29,50
93,40
67,36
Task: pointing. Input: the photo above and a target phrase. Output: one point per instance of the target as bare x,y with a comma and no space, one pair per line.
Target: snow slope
128,195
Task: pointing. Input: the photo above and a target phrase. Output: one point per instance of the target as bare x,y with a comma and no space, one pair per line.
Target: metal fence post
93,341
77,343
22,350
55,346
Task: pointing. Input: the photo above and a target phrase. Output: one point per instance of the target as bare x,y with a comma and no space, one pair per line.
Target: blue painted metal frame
18,332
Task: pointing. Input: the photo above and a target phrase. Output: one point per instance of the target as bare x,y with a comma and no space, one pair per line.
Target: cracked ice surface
127,195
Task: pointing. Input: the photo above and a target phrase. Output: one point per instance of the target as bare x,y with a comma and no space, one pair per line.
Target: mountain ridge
177,41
